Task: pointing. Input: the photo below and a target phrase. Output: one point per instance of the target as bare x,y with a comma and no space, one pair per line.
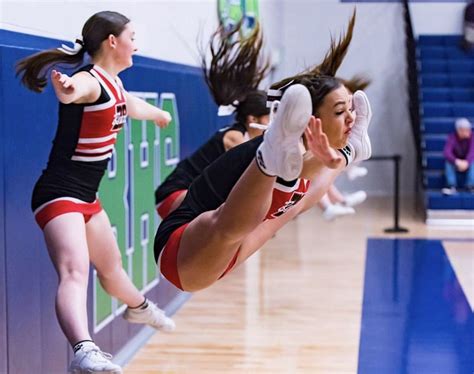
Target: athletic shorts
63,205
164,207
168,260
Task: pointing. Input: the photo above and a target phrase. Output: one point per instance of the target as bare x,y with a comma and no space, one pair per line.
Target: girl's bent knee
73,275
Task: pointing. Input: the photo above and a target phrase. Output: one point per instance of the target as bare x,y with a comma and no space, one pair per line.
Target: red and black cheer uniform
82,147
207,192
191,167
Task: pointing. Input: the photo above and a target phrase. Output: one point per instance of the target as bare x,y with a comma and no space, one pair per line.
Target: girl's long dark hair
356,83
236,68
320,79
34,69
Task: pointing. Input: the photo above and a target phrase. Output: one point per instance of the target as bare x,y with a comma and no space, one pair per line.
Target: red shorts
164,207
63,205
168,260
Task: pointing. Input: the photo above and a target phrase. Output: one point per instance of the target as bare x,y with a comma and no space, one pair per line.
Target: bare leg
219,233
324,202
238,224
105,255
265,231
67,246
319,186
335,195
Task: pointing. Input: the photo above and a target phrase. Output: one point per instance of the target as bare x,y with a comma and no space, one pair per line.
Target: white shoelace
98,353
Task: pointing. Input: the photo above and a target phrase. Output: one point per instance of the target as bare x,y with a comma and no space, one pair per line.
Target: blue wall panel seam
2,178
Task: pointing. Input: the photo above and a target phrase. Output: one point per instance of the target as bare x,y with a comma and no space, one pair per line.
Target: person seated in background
459,155
467,42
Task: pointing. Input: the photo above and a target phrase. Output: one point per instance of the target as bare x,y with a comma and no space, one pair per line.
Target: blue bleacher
439,40
446,77
463,200
443,94
440,126
443,52
433,143
434,66
450,80
433,161
447,109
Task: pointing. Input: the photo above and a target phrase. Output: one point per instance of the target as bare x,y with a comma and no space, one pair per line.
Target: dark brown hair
356,83
320,80
254,104
34,69
235,70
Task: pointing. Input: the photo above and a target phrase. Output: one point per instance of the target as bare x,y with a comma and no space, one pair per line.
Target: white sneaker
355,198
152,316
355,172
336,210
279,154
90,359
359,141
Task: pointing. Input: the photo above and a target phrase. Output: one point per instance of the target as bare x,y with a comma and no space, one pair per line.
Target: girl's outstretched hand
318,144
63,85
163,119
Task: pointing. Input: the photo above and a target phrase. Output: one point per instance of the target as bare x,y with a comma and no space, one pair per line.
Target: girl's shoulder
86,68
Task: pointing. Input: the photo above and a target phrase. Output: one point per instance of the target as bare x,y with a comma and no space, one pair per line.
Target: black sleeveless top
191,167
83,144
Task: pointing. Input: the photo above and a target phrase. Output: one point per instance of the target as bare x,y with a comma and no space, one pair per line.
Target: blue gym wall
3,286
30,338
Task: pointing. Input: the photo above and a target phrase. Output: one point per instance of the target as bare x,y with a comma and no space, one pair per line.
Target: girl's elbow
65,100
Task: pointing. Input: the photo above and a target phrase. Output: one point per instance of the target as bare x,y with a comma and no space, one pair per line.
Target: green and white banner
232,11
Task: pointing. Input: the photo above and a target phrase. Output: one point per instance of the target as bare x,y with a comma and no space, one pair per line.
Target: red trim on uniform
111,86
60,207
81,146
169,258
164,207
284,198
76,153
231,264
